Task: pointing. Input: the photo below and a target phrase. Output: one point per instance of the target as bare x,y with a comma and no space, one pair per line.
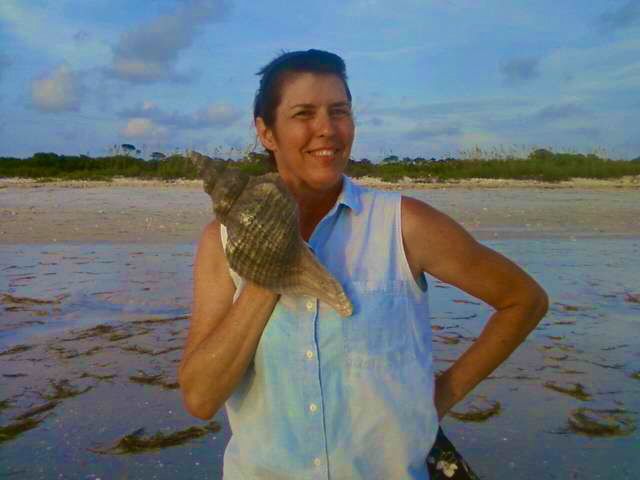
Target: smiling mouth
324,153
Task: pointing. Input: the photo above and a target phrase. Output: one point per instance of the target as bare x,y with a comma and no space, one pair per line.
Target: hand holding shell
264,242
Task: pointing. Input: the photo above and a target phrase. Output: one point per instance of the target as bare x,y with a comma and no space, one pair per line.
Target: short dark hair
274,74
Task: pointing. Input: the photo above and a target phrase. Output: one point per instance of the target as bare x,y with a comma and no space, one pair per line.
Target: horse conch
264,243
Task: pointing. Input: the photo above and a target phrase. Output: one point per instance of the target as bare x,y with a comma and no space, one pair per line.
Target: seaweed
145,379
119,336
92,332
4,404
63,389
161,320
477,414
11,431
136,442
16,349
576,392
7,298
97,376
635,375
601,423
37,410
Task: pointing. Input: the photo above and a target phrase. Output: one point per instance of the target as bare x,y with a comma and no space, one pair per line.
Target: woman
309,394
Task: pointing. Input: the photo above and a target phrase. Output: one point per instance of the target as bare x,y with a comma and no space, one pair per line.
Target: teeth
323,153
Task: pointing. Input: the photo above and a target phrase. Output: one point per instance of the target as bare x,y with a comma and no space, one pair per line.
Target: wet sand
94,318
159,212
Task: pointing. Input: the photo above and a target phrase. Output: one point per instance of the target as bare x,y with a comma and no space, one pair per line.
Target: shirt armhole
421,285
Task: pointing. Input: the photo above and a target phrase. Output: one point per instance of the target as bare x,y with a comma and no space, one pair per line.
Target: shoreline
630,182
159,212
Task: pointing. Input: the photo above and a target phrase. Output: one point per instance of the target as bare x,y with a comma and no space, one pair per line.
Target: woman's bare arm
439,246
223,335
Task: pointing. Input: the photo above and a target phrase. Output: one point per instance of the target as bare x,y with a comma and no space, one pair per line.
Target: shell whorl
264,243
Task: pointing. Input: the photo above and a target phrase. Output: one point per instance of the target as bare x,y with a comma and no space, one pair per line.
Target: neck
313,205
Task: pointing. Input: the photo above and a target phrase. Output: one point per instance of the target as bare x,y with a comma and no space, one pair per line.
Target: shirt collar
350,195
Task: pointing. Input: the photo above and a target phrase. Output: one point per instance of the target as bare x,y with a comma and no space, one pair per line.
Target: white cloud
149,53
213,115
59,90
144,129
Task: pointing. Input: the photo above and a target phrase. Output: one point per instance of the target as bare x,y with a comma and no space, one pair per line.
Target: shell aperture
264,242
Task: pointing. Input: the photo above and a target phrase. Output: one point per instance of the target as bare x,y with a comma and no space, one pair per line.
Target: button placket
313,390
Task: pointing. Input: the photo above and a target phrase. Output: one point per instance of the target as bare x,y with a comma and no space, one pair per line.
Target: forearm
210,373
505,330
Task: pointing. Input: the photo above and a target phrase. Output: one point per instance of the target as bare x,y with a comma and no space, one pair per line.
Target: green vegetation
577,391
137,442
11,431
478,414
541,164
601,423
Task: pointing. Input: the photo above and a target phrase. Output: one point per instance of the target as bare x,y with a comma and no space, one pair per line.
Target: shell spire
264,242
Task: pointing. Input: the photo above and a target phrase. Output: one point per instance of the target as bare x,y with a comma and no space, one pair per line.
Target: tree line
540,164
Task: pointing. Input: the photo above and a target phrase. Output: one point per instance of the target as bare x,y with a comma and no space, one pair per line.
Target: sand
95,295
138,211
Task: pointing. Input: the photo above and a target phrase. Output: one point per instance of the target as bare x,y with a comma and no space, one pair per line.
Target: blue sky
429,78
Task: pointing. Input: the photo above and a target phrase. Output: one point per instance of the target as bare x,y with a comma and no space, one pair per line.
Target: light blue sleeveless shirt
328,397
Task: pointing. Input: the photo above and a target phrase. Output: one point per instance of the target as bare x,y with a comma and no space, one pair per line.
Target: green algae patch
636,375
137,442
601,423
96,331
478,412
7,298
97,376
63,389
158,380
4,404
11,431
577,391
16,349
32,412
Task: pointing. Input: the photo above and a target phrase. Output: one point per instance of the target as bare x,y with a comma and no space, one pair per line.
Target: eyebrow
311,105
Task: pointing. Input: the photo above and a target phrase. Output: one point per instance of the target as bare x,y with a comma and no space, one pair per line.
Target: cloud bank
59,90
149,53
214,115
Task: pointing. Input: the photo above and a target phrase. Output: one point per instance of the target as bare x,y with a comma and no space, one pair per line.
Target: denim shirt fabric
327,397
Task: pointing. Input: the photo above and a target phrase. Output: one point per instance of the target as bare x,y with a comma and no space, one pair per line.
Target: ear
266,135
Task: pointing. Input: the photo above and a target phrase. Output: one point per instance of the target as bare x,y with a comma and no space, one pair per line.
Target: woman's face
313,132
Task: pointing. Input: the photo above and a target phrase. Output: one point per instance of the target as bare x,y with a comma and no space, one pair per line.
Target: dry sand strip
142,211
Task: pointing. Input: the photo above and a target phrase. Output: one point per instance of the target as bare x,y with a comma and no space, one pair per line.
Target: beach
129,210
95,297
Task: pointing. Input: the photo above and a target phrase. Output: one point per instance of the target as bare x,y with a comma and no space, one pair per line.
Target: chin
326,179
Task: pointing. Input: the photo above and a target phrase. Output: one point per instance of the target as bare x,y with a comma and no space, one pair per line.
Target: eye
303,113
340,112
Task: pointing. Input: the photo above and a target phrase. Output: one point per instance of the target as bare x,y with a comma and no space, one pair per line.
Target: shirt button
309,354
313,407
310,305
316,462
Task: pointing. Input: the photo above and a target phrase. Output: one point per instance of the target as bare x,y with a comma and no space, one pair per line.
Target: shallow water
51,296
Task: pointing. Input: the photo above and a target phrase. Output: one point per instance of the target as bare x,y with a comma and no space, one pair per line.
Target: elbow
197,407
195,403
538,304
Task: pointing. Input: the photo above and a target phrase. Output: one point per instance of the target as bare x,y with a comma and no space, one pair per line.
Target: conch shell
264,242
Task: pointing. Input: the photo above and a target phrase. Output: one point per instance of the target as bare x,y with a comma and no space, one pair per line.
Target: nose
325,126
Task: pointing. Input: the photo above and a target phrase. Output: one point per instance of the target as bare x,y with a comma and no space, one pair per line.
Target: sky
429,78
